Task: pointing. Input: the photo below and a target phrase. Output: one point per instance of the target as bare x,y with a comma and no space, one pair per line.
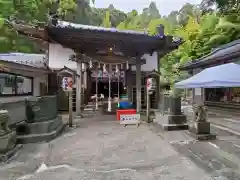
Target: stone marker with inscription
174,119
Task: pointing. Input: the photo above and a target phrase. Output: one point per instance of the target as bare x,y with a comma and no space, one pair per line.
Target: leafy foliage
31,12
201,32
106,20
202,27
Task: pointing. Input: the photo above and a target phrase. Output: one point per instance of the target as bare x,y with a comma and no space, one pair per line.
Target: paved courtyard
99,148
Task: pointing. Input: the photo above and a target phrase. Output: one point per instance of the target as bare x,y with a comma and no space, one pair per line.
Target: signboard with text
102,74
129,118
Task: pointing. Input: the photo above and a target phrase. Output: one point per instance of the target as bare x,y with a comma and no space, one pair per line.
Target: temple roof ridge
65,24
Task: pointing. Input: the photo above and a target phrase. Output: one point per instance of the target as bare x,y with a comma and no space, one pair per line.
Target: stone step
24,128
46,137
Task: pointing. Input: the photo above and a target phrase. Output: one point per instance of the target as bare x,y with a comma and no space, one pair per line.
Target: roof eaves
4,62
65,25
29,30
209,57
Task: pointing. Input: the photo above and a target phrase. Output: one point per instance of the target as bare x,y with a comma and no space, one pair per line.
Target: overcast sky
164,6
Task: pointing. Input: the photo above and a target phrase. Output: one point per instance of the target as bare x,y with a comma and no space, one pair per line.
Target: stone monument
200,127
174,119
42,122
7,137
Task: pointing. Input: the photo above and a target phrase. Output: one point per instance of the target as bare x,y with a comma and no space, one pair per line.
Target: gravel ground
99,148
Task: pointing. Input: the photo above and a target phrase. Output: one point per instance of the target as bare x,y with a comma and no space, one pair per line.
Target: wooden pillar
158,81
79,87
109,88
138,84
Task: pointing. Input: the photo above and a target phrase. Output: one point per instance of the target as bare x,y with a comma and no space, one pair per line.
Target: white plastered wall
151,63
59,57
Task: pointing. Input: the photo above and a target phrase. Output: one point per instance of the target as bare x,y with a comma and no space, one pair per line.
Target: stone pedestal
174,119
8,146
151,117
200,128
172,122
39,131
7,142
42,123
7,137
201,131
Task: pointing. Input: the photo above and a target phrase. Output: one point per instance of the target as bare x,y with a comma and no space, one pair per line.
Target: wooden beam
85,42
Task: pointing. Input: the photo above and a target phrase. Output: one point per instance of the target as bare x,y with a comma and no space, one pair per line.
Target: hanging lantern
110,69
105,72
104,68
99,71
127,65
121,66
90,64
117,70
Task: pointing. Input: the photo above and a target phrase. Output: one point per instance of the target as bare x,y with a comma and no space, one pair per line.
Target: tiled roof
65,24
34,60
220,52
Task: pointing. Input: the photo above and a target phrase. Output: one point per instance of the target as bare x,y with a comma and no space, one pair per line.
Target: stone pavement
99,148
220,158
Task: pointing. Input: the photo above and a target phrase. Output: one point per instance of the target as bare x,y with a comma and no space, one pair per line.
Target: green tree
172,18
80,13
196,44
132,22
153,11
106,20
224,6
30,12
201,31
152,27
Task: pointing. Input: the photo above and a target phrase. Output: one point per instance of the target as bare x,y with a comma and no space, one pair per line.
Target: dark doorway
103,87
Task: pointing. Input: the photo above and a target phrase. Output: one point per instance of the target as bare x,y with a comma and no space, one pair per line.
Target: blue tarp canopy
226,75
